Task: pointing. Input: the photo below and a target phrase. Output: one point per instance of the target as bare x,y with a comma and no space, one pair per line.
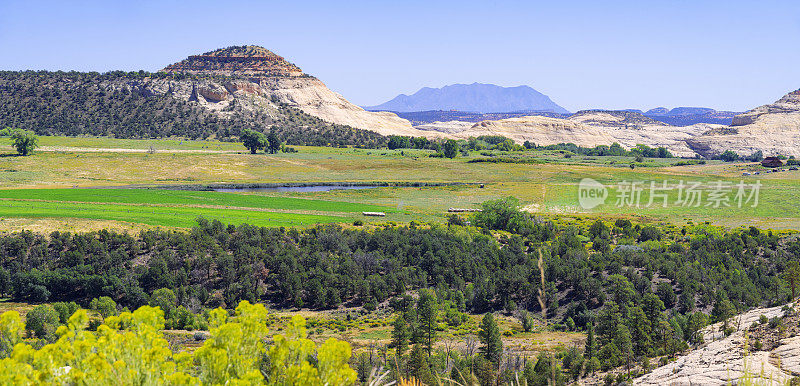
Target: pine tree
400,335
588,351
427,310
792,276
723,309
489,335
624,344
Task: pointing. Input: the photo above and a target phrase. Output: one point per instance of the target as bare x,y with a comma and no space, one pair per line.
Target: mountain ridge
474,98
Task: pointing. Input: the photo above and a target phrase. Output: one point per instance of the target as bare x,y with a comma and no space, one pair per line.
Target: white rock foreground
725,361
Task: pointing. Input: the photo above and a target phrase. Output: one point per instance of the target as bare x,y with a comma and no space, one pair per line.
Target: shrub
42,321
234,352
24,141
729,156
65,310
649,233
104,305
165,299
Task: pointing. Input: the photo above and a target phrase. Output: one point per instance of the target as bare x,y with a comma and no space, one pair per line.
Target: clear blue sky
583,54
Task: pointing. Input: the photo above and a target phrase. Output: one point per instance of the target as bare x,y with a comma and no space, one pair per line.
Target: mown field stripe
158,215
174,197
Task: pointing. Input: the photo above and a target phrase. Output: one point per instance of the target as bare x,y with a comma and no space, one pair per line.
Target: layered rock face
773,129
314,98
632,128
586,128
252,78
789,104
539,130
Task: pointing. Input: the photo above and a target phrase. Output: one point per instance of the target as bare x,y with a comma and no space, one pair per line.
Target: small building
374,214
772,162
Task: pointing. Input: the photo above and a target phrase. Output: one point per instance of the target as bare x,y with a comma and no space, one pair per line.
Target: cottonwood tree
253,140
450,148
104,305
24,141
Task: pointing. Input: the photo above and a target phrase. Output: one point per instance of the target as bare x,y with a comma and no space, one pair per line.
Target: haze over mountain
475,97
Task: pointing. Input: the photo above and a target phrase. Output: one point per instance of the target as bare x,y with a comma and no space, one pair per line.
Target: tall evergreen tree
400,335
589,348
427,309
489,335
624,343
792,276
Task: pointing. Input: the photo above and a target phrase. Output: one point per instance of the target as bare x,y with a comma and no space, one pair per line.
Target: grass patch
170,216
180,197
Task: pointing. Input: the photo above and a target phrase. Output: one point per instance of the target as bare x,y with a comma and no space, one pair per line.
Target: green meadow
107,184
175,208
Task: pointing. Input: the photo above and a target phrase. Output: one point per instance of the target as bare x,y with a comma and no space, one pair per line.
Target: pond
317,188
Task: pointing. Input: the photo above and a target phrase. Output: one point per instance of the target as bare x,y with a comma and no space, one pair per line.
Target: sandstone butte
254,78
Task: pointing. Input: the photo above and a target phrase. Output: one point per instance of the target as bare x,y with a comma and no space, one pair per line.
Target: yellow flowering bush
130,349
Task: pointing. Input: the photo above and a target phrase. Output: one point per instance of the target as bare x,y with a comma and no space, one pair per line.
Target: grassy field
172,208
141,144
548,188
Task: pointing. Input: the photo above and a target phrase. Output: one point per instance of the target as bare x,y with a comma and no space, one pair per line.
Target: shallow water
318,188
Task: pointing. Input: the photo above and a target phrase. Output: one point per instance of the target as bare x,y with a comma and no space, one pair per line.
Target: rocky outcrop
671,137
449,127
789,104
630,128
314,98
729,360
252,78
539,130
249,61
773,129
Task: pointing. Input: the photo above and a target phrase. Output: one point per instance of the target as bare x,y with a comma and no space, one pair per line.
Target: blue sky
583,54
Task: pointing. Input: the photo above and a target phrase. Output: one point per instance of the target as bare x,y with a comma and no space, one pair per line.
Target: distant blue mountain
476,97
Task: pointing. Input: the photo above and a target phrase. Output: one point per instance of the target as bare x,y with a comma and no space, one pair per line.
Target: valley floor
547,187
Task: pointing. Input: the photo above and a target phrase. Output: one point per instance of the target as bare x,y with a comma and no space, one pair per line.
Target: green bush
42,322
24,141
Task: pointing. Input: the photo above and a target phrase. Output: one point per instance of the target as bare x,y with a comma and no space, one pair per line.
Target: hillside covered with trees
638,290
77,103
